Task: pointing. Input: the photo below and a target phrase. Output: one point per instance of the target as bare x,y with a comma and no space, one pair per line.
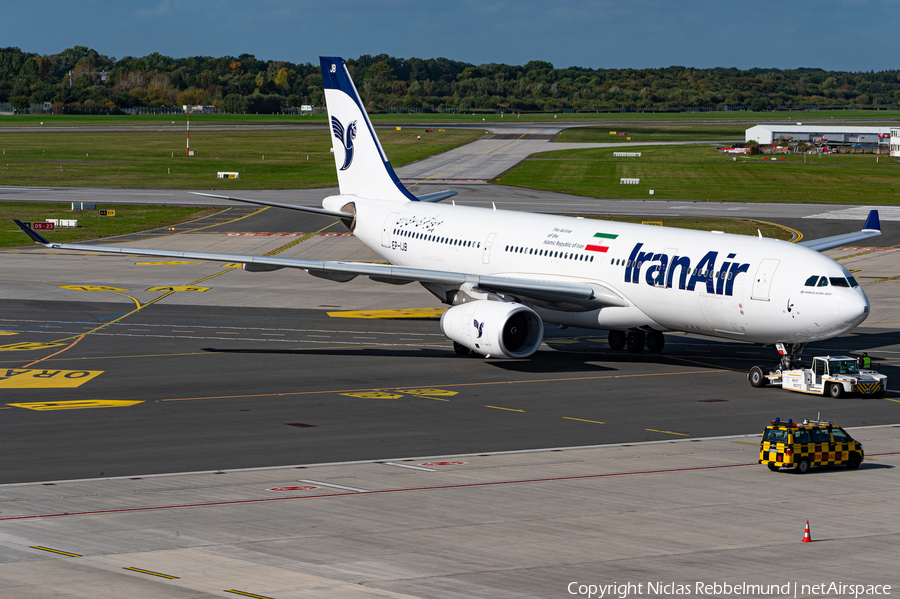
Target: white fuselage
730,286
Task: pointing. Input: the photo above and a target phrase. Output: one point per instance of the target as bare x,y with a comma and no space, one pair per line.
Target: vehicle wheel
758,377
460,349
773,467
835,390
854,462
878,394
616,340
802,467
656,341
635,342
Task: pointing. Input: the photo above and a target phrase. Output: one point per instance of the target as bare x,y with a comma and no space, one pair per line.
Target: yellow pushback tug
811,443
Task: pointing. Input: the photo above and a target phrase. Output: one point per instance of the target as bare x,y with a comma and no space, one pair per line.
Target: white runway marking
332,485
891,213
410,467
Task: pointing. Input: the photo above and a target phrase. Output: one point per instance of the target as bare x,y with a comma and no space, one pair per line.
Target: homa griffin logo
346,138
479,326
663,270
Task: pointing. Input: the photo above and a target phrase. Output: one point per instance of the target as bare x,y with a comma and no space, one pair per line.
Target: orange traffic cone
806,537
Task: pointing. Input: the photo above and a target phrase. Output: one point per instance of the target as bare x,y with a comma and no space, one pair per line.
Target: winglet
28,230
872,222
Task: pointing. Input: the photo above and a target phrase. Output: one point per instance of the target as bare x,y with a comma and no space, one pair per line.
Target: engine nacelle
497,329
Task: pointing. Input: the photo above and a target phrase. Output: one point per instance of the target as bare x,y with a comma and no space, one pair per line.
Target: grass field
638,133
29,120
296,159
735,226
128,219
701,173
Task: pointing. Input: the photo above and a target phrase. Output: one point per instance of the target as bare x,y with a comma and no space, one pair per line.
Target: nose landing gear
787,353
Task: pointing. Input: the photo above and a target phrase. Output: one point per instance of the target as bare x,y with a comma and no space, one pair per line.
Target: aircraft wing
872,228
547,291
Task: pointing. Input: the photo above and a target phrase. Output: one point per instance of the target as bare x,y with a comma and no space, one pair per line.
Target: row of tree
82,79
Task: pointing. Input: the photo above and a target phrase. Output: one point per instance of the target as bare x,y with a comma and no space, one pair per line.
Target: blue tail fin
362,167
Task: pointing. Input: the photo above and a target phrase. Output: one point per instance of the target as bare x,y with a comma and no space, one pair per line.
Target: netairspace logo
719,589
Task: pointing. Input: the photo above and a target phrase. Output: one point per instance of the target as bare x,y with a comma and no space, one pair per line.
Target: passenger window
811,282
823,282
839,282
801,437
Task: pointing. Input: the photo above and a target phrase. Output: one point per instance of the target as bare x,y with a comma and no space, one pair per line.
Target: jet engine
492,328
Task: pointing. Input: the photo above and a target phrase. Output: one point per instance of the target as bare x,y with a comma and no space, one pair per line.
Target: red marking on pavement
441,463
436,488
306,488
326,495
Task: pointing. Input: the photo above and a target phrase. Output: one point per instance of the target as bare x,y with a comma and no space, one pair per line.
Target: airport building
766,135
895,142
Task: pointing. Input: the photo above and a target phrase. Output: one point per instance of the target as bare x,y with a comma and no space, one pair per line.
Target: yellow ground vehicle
811,443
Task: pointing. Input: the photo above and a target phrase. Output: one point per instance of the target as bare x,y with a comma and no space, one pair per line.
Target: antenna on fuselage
760,233
495,206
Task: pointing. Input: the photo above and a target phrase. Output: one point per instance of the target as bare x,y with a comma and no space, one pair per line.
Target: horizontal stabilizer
437,196
872,228
322,211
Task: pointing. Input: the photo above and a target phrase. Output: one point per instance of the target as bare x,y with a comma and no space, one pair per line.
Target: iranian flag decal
604,239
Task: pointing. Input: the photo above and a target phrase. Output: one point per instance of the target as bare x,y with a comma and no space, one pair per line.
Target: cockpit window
811,282
839,282
853,282
823,282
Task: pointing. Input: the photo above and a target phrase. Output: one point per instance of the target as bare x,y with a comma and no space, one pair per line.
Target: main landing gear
636,341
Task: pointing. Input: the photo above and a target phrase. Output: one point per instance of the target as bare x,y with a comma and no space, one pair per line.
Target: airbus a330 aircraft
505,273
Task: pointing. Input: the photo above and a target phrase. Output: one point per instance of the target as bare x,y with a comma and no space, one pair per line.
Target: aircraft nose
853,307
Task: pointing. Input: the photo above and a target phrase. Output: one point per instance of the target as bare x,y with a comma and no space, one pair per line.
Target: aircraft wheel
616,340
635,342
460,349
655,342
835,390
758,377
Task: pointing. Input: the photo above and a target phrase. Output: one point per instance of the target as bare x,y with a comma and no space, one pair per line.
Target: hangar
766,135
